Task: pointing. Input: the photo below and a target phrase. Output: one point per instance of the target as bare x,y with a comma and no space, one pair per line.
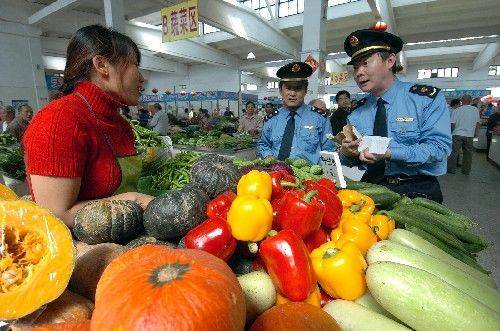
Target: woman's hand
350,147
142,199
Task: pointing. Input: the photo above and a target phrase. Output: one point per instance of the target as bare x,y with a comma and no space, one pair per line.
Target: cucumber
381,195
439,208
412,240
464,257
259,292
388,251
368,301
404,218
352,316
425,302
447,223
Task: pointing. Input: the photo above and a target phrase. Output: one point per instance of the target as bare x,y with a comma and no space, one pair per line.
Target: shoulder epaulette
319,111
359,103
268,117
425,90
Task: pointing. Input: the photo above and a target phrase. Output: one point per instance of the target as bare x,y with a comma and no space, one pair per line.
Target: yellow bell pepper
250,218
336,233
356,205
256,183
340,270
313,299
357,232
382,226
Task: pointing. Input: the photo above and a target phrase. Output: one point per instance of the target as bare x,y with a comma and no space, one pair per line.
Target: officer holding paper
415,117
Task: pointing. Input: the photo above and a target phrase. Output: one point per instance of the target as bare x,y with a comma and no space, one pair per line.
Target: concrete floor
478,195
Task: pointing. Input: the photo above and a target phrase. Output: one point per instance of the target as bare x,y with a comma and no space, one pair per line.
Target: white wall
22,75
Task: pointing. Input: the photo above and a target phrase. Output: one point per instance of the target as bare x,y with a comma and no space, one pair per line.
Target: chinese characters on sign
310,60
339,77
180,21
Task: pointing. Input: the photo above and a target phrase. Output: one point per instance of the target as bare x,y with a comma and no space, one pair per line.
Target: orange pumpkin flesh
6,193
295,316
36,258
154,287
66,326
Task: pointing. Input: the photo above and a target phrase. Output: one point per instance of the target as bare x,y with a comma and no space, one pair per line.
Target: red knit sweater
64,139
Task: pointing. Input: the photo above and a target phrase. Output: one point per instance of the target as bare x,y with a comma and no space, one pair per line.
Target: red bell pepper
325,298
212,236
220,205
281,180
327,193
299,211
316,239
288,263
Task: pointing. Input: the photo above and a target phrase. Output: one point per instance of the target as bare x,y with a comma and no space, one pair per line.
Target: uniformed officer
296,130
415,117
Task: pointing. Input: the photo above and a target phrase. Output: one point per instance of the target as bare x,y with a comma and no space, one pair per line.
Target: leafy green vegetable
145,138
11,157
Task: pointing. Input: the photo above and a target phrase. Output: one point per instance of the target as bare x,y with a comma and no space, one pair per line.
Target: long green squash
388,251
412,240
426,302
368,301
354,317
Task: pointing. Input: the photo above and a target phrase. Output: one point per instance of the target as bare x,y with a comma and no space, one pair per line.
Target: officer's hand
371,158
350,147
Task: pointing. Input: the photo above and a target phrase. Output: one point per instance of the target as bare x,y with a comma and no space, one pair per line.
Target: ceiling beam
50,10
486,55
150,38
246,23
152,62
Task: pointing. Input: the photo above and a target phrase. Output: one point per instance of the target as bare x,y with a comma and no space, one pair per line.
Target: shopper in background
250,121
414,116
8,115
143,115
492,126
454,104
465,124
490,109
228,113
79,148
296,130
18,126
215,117
125,111
339,117
204,120
159,120
269,108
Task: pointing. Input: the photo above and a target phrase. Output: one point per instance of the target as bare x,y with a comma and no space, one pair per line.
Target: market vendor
296,130
250,122
79,148
415,117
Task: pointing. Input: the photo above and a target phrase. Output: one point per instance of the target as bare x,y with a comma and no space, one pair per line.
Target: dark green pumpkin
241,265
108,221
174,213
143,240
215,174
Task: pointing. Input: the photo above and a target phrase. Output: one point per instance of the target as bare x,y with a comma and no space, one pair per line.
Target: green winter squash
108,221
143,240
215,174
173,214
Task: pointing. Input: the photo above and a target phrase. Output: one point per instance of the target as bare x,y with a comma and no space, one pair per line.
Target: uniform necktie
286,142
375,172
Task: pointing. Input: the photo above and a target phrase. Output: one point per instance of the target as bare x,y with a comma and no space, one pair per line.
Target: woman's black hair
91,41
249,103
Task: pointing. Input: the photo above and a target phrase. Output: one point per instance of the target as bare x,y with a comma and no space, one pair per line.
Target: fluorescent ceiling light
337,53
251,56
278,61
248,73
452,39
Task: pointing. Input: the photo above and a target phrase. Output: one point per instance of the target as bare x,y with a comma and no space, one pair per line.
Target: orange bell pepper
382,226
357,232
356,205
313,299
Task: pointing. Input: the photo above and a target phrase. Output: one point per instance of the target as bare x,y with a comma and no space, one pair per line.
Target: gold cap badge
354,41
296,67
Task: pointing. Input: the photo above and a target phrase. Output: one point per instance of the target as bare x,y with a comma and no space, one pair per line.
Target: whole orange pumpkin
154,287
295,316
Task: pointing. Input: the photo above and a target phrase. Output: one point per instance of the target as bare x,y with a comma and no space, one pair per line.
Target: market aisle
478,195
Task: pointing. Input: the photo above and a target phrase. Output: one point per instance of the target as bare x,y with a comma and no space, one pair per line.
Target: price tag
332,168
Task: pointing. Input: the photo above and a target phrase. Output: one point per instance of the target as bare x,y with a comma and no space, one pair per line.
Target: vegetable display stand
240,153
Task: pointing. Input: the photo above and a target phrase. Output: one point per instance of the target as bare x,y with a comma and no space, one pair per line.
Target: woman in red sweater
78,147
